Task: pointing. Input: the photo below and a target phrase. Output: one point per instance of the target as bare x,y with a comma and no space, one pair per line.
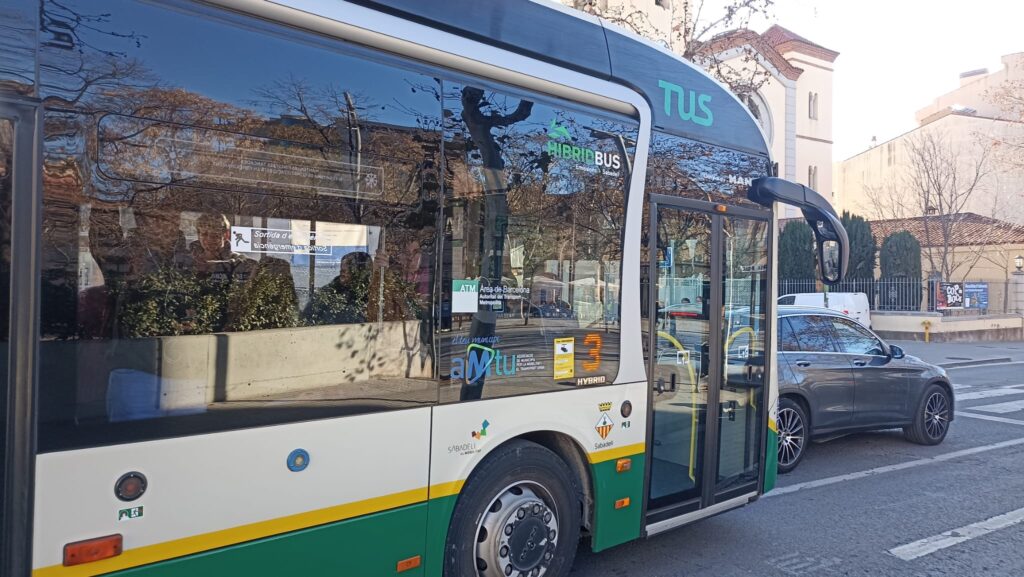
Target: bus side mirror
833,244
828,256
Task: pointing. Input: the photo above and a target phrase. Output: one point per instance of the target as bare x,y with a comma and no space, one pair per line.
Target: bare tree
940,182
943,182
695,31
1009,97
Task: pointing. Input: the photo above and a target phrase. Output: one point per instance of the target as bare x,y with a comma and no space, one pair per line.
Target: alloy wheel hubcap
518,534
936,415
791,436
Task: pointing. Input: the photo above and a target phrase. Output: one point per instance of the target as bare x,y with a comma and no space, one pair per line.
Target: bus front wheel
518,515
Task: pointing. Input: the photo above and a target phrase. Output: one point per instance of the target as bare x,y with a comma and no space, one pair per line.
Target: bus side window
235,237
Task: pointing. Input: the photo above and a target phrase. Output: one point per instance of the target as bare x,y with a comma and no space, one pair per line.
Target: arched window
759,109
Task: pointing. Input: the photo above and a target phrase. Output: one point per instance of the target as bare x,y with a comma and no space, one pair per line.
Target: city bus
374,287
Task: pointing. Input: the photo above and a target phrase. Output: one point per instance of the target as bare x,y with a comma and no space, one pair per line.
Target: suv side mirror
896,352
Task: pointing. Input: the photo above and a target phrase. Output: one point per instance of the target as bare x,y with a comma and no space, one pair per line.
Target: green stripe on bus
439,516
369,545
616,526
771,461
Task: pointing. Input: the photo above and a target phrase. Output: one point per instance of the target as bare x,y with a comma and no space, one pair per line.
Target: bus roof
684,100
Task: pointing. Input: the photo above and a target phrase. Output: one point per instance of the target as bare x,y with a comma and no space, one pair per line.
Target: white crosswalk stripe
1000,408
957,387
912,551
989,393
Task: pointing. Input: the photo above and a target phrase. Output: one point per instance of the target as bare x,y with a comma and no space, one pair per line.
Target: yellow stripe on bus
446,489
148,554
614,453
223,538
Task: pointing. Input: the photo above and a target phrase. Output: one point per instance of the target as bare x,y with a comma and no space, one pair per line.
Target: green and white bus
313,287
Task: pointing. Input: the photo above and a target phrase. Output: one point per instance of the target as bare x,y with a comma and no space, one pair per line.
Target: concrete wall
991,263
910,326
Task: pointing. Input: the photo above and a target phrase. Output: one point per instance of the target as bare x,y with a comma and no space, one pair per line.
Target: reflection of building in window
151,310
536,208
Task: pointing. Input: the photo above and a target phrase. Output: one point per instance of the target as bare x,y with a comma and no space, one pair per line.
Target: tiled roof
967,228
785,40
741,37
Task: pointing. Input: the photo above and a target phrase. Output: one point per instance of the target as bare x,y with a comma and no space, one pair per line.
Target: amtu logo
482,361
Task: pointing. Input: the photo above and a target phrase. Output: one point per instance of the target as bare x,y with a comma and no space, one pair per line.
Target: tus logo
557,149
482,432
481,361
695,101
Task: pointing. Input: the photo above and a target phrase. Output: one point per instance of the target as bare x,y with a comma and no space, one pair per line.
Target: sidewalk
966,353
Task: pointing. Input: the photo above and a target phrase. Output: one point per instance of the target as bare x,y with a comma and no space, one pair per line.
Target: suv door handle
860,362
803,363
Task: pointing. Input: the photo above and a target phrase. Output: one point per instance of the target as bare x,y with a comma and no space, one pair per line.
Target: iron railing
969,297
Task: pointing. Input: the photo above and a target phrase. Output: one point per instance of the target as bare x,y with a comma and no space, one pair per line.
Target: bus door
707,332
18,158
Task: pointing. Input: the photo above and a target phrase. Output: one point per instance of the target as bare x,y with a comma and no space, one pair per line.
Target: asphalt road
874,504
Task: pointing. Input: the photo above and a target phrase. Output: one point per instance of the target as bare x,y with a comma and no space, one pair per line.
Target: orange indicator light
623,465
406,564
622,503
92,550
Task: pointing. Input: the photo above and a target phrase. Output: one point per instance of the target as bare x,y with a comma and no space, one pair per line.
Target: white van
854,305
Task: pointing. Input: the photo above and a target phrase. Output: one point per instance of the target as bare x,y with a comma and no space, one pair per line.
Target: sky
897,56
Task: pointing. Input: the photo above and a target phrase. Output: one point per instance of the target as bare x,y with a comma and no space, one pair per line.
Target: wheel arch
801,398
572,453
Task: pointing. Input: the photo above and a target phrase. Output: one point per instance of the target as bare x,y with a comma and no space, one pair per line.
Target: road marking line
990,418
930,545
890,468
1000,408
989,393
983,366
960,387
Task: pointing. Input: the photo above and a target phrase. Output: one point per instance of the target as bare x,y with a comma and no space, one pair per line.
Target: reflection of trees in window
525,213
682,167
173,148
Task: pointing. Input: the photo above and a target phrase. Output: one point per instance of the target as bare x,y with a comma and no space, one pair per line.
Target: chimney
972,75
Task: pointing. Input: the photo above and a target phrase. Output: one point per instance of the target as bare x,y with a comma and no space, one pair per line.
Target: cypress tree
900,259
901,256
796,258
862,246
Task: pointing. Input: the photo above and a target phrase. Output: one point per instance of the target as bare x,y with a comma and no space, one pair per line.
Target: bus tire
518,514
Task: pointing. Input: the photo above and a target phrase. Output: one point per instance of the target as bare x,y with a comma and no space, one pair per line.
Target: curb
975,363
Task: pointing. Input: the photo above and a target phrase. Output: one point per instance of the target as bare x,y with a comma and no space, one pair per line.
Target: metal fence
960,298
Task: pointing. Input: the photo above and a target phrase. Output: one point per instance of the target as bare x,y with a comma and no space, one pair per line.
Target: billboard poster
949,295
976,295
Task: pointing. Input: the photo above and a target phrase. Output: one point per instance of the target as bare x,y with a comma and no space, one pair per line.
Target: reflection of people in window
156,243
212,252
345,298
406,289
